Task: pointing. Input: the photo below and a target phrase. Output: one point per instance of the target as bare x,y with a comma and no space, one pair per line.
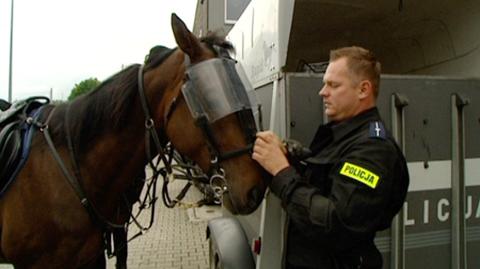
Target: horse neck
115,159
117,156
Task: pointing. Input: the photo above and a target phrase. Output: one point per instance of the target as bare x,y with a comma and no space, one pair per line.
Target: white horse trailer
430,101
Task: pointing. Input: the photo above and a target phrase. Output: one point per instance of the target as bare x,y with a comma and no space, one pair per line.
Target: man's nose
322,91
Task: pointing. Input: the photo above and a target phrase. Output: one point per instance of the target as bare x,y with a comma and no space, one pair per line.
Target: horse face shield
217,88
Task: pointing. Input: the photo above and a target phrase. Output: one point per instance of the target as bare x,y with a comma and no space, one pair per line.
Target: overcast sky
58,43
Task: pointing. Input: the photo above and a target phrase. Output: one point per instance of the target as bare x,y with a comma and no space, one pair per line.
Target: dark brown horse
100,138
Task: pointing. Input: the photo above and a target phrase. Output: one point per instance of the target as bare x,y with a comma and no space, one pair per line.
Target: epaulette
377,130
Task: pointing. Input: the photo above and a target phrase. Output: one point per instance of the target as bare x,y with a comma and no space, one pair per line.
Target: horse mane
158,53
156,56
106,105
213,39
110,103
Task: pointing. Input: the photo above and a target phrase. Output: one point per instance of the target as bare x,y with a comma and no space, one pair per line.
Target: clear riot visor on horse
216,88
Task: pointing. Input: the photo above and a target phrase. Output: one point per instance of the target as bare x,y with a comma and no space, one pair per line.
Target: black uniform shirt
353,186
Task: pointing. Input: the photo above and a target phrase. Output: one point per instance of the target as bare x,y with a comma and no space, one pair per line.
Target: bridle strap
212,144
235,153
248,125
215,155
151,131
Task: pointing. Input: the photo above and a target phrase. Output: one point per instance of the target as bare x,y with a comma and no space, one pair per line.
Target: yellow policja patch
360,174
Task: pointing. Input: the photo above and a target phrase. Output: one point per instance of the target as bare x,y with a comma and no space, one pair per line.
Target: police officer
355,180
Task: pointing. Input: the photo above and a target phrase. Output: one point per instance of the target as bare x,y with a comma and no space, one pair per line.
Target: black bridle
215,175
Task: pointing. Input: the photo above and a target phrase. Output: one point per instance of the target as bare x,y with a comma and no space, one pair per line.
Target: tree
83,87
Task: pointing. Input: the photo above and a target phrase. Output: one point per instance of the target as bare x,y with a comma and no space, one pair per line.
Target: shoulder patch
377,130
360,174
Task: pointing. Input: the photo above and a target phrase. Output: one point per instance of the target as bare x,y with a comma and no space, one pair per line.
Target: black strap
92,210
73,180
235,153
151,131
202,122
71,148
216,155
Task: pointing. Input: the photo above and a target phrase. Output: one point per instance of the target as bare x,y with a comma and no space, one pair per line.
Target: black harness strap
215,155
151,132
71,148
73,182
248,125
74,179
71,179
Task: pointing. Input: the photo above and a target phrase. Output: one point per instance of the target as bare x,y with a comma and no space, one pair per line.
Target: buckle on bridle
149,123
218,184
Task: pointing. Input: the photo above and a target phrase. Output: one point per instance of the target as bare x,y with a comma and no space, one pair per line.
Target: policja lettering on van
360,174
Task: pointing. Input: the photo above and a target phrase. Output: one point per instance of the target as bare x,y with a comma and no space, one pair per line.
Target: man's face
341,91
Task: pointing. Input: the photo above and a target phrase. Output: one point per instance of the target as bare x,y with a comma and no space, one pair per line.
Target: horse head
204,109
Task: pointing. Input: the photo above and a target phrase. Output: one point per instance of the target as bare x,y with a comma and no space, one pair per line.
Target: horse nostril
255,196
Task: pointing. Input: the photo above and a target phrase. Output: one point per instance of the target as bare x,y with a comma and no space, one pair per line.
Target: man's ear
366,89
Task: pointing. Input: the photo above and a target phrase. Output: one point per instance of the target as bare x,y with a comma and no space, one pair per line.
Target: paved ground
177,239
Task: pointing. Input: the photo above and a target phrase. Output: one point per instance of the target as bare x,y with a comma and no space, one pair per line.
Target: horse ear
187,42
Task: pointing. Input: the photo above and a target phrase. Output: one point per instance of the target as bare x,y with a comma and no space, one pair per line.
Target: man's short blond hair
362,63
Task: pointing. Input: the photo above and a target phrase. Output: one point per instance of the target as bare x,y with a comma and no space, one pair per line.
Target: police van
429,99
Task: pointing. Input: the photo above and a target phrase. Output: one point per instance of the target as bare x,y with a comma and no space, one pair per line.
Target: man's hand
270,152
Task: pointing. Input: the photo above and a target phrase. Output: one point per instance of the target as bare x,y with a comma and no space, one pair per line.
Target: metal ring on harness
219,185
149,123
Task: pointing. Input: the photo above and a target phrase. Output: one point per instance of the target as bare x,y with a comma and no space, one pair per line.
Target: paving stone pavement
177,239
